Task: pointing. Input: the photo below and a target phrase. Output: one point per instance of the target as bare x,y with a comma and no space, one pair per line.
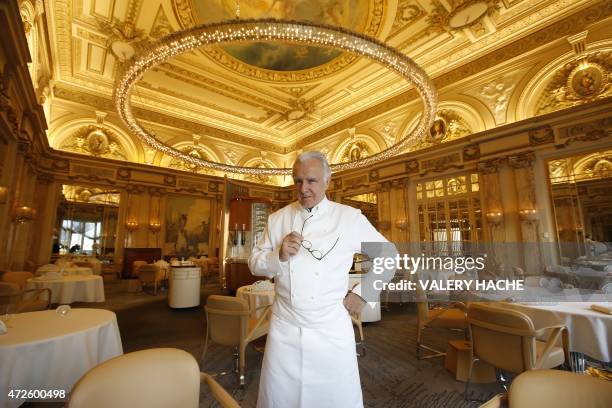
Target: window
85,234
449,213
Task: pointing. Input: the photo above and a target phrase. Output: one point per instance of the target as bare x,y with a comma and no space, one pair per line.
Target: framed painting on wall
187,226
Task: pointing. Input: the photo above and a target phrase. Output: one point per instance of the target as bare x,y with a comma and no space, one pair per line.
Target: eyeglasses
307,245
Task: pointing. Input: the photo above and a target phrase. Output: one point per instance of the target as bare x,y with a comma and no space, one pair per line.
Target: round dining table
590,331
71,288
259,298
46,353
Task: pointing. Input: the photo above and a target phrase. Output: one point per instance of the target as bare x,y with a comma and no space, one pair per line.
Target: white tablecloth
45,351
78,270
590,331
256,299
72,288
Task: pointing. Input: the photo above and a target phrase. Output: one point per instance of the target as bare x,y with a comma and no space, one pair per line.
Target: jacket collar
317,210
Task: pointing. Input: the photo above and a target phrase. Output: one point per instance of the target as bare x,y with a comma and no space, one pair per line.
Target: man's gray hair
317,156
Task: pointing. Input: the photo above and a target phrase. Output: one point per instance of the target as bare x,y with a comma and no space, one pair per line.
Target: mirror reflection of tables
71,288
46,351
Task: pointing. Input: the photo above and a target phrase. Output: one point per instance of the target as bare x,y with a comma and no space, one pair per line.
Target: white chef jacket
310,358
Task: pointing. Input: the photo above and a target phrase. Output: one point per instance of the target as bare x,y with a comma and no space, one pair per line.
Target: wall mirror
86,221
581,190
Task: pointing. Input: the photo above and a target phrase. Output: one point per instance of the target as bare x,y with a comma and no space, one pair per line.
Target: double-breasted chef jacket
310,358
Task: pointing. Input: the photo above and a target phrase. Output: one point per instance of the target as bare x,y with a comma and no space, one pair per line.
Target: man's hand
290,246
353,303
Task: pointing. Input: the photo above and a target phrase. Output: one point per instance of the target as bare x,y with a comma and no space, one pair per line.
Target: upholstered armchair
554,389
150,274
15,300
154,378
19,278
229,323
508,340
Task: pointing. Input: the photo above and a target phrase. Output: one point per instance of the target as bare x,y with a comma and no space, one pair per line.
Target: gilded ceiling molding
496,95
570,25
355,146
77,135
585,79
62,14
442,20
94,141
102,103
407,14
208,83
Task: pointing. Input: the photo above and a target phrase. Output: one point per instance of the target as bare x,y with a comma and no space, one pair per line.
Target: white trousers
310,367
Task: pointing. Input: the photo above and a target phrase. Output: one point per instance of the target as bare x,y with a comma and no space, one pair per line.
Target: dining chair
229,323
20,301
150,274
153,378
554,389
356,319
136,265
508,340
449,318
18,277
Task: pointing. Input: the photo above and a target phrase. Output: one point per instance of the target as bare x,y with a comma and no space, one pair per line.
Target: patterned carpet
391,375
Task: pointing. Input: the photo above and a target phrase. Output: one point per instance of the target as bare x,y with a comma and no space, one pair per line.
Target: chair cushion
555,358
555,389
452,318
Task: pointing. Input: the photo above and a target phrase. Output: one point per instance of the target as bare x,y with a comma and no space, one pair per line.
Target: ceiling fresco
350,14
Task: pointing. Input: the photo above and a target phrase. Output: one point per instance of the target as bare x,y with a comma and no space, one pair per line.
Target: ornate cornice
540,136
522,160
491,166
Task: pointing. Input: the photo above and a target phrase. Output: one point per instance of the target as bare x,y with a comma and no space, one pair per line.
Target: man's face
310,183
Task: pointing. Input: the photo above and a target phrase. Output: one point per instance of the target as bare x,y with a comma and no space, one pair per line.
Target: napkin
3,329
262,286
602,308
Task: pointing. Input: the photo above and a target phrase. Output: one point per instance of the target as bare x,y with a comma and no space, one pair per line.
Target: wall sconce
401,224
528,215
155,226
3,194
131,226
23,214
494,218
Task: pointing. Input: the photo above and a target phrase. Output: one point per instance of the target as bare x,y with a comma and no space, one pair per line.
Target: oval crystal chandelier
293,32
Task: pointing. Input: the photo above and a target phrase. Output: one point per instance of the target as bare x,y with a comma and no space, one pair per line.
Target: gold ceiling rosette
291,32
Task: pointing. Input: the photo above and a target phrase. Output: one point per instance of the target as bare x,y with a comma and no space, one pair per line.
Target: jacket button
312,298
316,273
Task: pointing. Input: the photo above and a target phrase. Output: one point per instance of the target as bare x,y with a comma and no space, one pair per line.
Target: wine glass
7,314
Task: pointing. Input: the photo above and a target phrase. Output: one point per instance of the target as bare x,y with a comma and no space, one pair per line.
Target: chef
308,247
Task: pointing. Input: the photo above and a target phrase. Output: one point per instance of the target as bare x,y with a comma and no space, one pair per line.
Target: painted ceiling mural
280,99
351,14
